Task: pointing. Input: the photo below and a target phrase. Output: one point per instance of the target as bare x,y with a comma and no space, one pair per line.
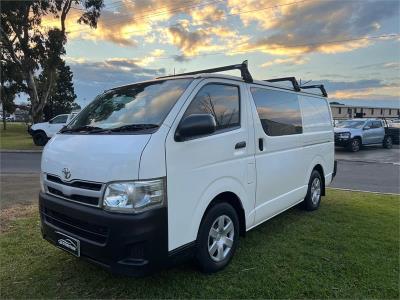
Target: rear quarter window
316,115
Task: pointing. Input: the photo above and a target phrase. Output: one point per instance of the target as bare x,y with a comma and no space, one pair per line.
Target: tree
11,85
62,98
35,51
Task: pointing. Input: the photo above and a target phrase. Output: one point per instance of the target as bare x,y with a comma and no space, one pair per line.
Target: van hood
39,125
99,158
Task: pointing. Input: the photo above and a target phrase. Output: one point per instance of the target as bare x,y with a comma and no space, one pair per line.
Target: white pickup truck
42,132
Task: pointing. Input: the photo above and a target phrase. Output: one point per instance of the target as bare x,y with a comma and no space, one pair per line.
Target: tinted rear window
279,111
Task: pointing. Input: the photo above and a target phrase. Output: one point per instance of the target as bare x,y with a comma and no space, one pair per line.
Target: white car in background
42,132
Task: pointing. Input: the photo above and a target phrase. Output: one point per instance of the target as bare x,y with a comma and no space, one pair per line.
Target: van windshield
351,124
137,107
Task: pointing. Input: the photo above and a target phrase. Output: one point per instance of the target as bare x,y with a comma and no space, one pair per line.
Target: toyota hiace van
182,166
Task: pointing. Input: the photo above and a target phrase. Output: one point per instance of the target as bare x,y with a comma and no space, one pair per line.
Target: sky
351,46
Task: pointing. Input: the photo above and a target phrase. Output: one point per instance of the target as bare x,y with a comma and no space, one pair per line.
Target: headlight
344,135
134,196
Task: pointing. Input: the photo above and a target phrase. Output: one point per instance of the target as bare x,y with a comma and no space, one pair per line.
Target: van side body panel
317,137
280,183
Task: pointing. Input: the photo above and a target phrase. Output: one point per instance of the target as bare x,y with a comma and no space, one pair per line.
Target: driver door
368,133
201,167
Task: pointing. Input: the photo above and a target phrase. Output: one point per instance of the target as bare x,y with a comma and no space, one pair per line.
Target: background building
341,111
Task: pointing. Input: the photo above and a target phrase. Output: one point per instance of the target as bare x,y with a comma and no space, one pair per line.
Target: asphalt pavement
371,169
367,176
20,162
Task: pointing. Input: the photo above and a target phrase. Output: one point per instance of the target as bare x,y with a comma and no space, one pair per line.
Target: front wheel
355,145
218,238
388,142
40,138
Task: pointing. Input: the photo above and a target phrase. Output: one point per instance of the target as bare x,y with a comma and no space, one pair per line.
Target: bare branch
64,14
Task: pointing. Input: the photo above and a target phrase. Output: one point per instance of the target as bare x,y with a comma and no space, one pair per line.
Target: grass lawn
347,249
16,137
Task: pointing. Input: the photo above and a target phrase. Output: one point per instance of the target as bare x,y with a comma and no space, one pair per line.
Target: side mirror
195,125
51,121
366,128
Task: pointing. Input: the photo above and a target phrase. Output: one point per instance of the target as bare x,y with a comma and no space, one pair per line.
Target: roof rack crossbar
293,80
244,71
316,86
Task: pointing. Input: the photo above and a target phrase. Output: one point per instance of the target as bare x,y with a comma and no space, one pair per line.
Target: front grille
85,192
84,229
79,198
78,184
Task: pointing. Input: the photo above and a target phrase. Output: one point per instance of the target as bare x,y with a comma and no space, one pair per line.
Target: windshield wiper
85,128
134,127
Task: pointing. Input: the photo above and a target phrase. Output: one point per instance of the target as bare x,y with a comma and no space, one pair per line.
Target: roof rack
293,80
316,86
244,71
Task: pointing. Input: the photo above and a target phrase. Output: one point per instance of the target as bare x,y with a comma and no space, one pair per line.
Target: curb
369,161
362,191
21,151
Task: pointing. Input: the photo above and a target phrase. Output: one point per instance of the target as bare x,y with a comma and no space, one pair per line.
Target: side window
376,124
220,100
369,124
60,119
279,112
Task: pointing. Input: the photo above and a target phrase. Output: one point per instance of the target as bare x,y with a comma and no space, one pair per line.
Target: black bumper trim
334,169
133,245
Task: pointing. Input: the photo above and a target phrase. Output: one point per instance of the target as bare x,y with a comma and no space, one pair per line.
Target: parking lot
372,169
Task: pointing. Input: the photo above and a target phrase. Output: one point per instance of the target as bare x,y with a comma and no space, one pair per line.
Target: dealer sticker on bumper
68,243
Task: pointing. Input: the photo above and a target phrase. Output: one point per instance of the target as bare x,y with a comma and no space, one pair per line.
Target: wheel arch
358,137
39,131
234,200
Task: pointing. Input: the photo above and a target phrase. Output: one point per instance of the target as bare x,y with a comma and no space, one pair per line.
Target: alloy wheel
220,238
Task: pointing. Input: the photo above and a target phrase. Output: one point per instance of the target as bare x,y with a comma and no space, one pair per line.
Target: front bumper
342,142
133,245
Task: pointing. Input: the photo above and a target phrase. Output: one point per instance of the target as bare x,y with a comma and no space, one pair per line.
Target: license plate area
68,243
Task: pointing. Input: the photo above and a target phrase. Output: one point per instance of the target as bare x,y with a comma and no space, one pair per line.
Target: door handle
240,145
261,144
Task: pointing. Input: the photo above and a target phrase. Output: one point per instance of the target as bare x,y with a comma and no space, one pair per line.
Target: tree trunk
4,119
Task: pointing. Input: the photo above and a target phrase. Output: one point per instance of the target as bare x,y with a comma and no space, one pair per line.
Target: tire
354,145
213,252
313,197
387,142
40,138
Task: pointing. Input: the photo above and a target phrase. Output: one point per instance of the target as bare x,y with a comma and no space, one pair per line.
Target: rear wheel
313,197
355,145
40,138
388,142
218,238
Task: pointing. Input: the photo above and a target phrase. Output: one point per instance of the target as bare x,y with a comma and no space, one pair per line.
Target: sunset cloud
290,60
365,90
313,25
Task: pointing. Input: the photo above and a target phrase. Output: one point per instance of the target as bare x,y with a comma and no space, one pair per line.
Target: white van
181,166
